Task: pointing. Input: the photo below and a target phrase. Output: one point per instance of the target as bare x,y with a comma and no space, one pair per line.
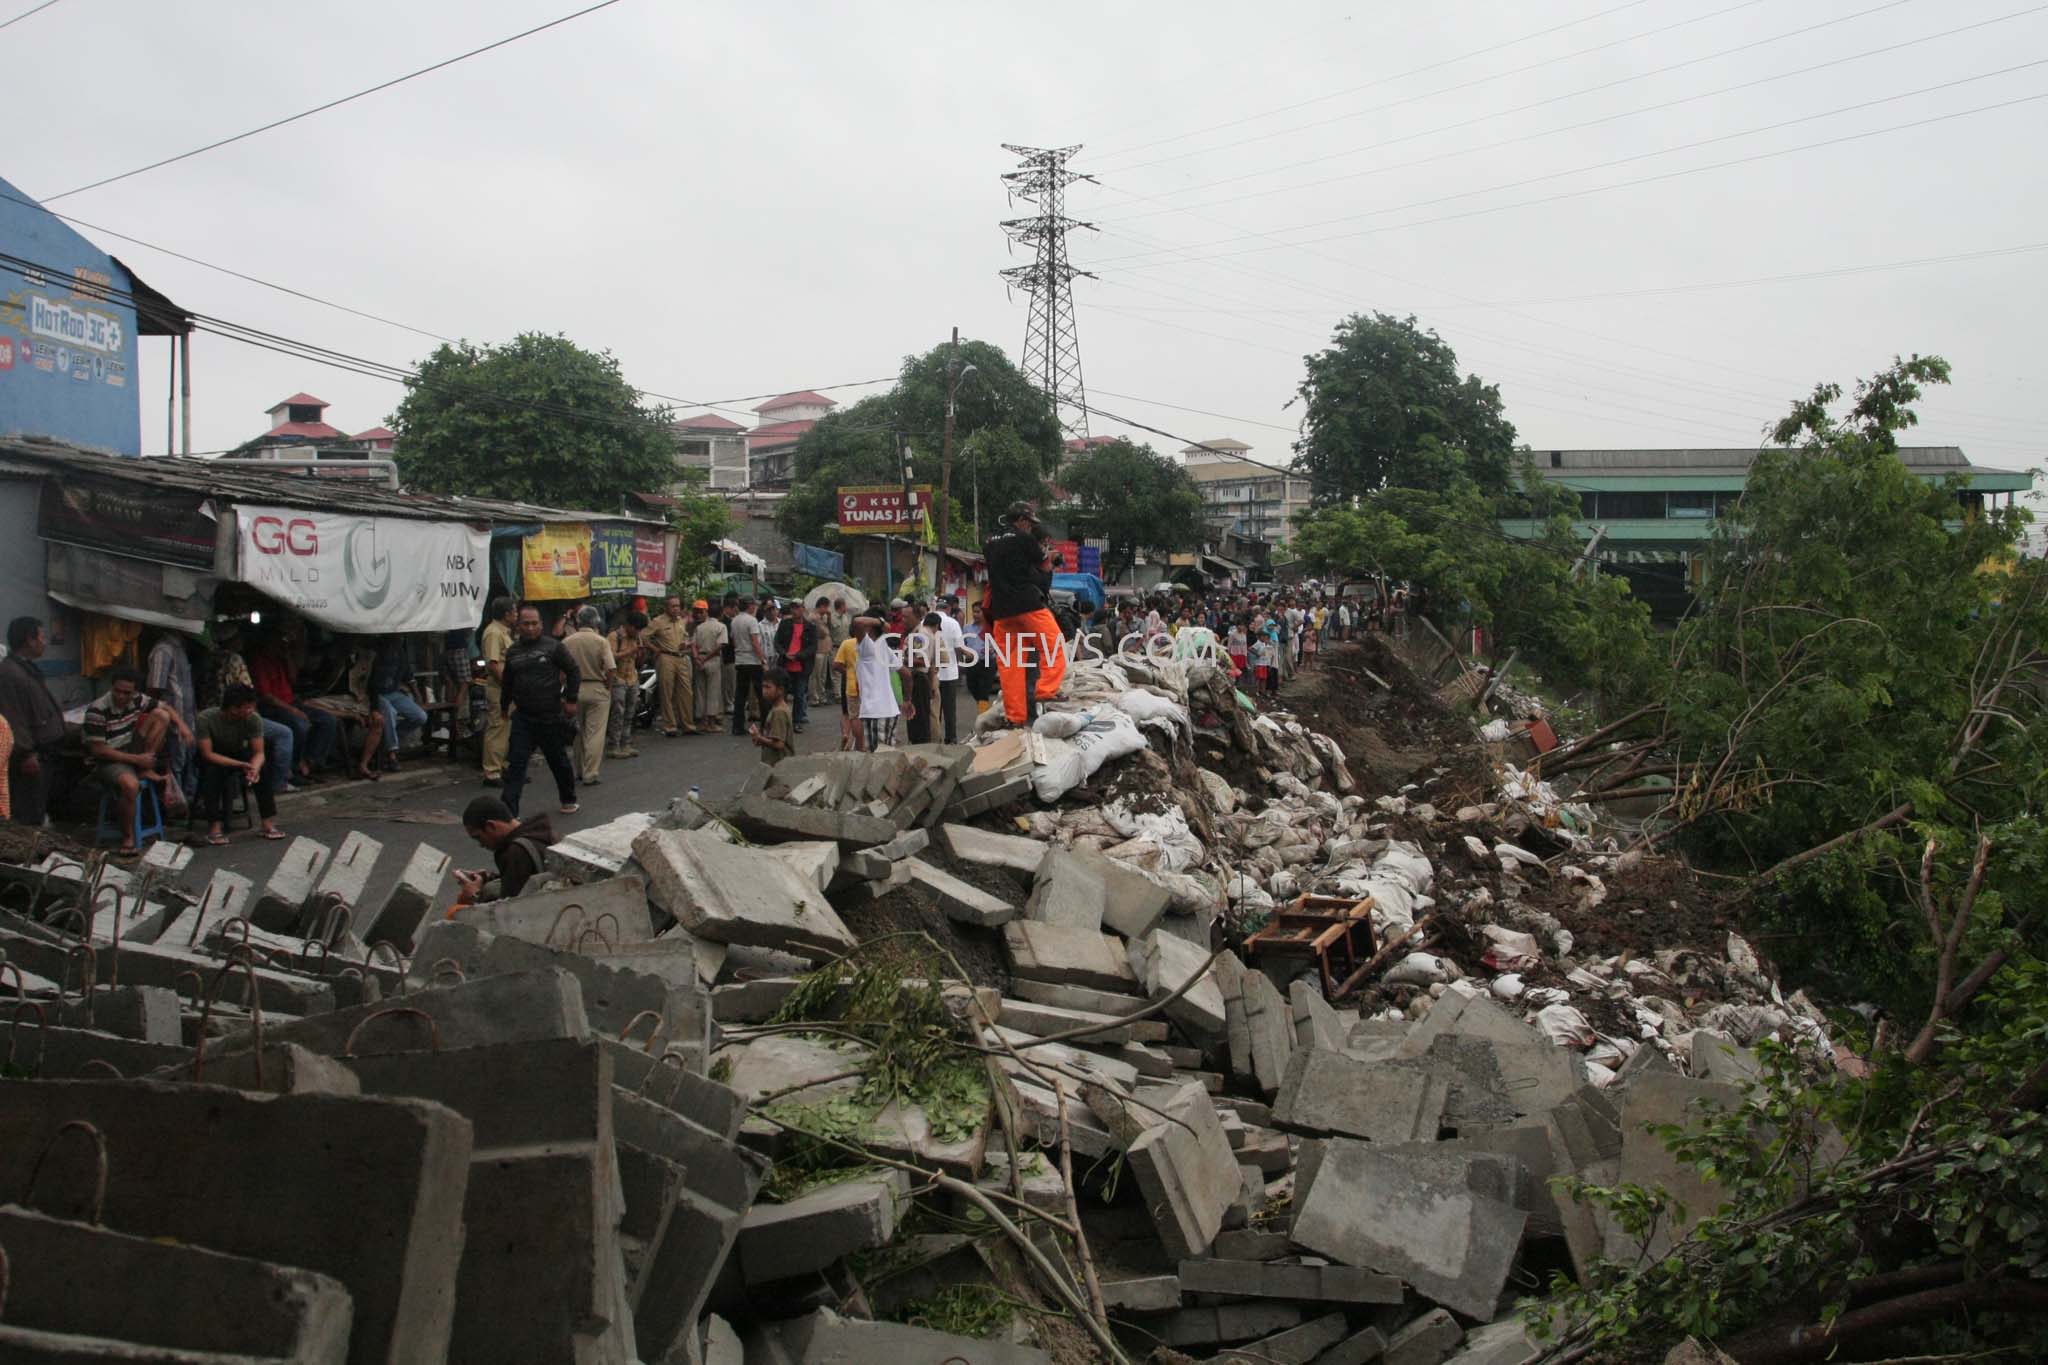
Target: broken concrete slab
1295,1346
1083,888
1426,1341
1163,964
616,999
1360,1348
66,1053
520,1008
79,1279
408,903
1329,1092
1494,1083
962,902
1085,1000
985,848
601,851
343,880
1657,1100
161,964
825,1338
1185,1170
1467,1014
1269,1031
148,1014
1257,1279
609,912
285,1069
1227,1323
810,1232
765,820
1066,956
1136,1293
1315,1023
283,902
791,1068
1366,1207
1498,1343
1043,1021
816,860
737,895
368,1191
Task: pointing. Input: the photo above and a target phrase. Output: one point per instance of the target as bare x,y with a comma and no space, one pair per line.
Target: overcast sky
745,198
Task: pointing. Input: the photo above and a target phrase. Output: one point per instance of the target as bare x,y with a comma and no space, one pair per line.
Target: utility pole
946,460
1052,346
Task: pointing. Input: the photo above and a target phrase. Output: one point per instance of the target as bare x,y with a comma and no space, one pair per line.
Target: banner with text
879,510
556,564
650,563
365,575
613,561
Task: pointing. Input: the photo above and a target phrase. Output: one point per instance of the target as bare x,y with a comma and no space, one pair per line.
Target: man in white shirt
747,657
951,642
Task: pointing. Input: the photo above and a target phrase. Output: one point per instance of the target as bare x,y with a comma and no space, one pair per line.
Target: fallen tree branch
1820,1341
1897,815
1381,958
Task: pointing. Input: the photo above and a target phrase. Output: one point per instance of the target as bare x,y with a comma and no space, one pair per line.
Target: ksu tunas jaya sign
878,510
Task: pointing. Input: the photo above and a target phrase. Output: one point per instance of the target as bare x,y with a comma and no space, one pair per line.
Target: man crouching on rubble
517,846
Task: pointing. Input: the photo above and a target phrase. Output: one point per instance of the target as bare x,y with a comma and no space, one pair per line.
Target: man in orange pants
1031,655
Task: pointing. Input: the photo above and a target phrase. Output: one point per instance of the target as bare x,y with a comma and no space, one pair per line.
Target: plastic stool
149,815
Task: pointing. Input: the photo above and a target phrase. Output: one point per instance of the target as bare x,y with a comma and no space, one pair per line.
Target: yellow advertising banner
557,562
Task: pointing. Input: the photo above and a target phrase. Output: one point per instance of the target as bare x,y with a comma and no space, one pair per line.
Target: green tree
1531,596
1006,424
537,419
1384,406
1136,499
698,518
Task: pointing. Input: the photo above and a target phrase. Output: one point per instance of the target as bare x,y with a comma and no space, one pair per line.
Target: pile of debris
932,1053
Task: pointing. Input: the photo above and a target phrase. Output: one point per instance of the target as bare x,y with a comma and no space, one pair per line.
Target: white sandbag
1565,1026
1110,734
1494,731
1063,770
1421,969
1509,987
1143,706
1062,724
1509,950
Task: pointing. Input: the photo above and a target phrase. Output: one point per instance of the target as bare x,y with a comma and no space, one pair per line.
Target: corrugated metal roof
242,484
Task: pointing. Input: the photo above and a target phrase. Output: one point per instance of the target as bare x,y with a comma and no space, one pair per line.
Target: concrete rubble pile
681,1100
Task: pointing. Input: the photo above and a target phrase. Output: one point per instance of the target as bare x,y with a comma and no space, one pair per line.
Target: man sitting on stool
124,731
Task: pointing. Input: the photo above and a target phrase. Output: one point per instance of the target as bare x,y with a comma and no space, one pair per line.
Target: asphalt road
423,804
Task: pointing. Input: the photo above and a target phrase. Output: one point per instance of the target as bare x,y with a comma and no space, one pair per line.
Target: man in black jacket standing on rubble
1030,656
539,692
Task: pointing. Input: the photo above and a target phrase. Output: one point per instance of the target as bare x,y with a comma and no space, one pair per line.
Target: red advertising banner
1069,552
877,510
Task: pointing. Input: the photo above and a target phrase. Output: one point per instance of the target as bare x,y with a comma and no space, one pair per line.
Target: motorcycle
647,702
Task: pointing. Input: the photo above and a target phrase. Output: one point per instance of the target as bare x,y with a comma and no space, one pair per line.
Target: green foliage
1136,499
1860,642
962,1310
1586,627
1829,1187
1384,406
538,419
889,998
1004,433
699,518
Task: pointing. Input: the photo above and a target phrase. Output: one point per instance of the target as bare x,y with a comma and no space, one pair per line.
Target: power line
335,103
1382,80
1201,412
1479,81
1643,156
1164,195
28,13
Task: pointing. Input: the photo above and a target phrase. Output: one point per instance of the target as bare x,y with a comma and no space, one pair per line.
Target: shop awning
139,590
741,553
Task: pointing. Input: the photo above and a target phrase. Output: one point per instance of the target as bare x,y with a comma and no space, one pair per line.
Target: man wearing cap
707,653
669,637
1031,658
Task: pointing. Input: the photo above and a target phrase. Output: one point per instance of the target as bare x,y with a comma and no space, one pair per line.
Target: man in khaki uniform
707,646
625,680
595,664
669,637
497,638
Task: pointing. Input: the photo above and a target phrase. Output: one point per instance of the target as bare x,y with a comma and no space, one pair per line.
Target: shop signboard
614,561
1069,553
650,563
365,575
134,519
878,510
556,562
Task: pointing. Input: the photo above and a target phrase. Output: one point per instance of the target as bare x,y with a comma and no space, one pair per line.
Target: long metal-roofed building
1653,511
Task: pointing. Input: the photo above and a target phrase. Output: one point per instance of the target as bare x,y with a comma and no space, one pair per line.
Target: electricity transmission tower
1052,346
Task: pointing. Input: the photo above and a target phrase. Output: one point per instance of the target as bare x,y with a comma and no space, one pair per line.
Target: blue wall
67,350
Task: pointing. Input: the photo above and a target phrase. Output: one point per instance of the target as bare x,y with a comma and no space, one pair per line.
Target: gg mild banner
364,575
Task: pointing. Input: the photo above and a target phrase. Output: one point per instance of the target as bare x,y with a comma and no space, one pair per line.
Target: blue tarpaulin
819,563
